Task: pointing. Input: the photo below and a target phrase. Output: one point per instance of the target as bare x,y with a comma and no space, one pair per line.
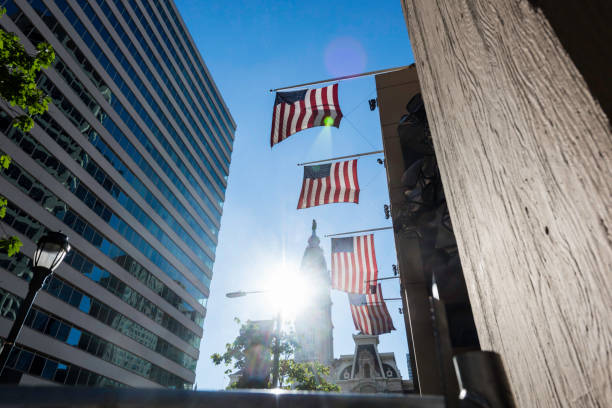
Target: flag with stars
353,263
329,183
299,110
370,314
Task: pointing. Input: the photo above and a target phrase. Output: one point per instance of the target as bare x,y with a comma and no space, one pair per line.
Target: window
60,373
74,336
23,363
63,332
65,293
52,327
40,321
75,299
37,366
73,374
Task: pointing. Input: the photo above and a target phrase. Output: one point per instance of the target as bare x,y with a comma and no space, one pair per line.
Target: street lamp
242,293
50,252
275,372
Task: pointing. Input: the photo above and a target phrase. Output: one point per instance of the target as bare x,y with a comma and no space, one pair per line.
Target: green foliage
3,204
5,161
306,376
235,355
293,375
18,73
11,245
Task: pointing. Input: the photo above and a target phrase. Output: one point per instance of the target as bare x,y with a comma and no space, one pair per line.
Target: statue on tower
313,326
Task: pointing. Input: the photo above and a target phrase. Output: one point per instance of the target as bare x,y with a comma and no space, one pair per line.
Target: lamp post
50,252
277,335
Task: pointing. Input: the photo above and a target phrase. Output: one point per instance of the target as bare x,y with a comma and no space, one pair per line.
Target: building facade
427,253
313,326
131,162
367,370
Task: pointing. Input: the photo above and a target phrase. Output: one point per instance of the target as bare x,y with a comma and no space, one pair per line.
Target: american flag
329,183
299,110
353,263
370,313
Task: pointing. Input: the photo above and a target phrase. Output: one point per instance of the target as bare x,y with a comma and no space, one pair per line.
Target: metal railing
56,397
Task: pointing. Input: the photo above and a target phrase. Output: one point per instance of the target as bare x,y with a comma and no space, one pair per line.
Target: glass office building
131,162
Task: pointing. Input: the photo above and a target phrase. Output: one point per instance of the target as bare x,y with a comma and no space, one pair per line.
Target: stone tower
313,326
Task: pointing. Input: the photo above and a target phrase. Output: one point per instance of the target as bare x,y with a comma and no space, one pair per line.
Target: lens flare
289,292
328,121
345,55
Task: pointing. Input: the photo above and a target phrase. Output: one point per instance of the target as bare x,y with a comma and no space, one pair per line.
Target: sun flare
288,292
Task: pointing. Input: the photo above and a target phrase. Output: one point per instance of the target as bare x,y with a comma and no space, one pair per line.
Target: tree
250,355
309,376
18,74
11,245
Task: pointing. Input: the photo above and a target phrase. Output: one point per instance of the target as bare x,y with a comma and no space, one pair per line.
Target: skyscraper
131,162
313,326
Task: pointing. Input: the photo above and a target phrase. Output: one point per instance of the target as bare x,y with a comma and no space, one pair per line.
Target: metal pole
38,279
482,380
342,157
275,373
380,71
379,279
355,232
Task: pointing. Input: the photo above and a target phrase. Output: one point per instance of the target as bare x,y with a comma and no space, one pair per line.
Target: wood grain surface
525,155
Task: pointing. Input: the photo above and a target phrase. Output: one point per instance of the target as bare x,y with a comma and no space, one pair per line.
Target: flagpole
342,157
379,279
342,78
355,232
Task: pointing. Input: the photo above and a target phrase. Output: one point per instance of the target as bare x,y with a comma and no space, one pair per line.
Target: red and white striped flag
329,183
353,263
370,314
299,110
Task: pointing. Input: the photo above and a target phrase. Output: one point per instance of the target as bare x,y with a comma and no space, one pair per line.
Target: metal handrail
54,397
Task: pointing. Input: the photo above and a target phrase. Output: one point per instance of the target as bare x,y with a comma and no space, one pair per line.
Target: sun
289,292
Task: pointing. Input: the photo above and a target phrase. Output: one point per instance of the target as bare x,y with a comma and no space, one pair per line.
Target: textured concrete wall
525,155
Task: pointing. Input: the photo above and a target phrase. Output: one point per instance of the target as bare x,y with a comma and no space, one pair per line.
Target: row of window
114,47
217,154
67,333
19,265
132,267
43,196
194,53
24,23
34,363
56,132
39,193
42,156
112,128
24,223
226,136
223,152
130,296
135,79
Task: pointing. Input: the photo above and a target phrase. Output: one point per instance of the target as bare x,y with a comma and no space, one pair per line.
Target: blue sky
249,48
